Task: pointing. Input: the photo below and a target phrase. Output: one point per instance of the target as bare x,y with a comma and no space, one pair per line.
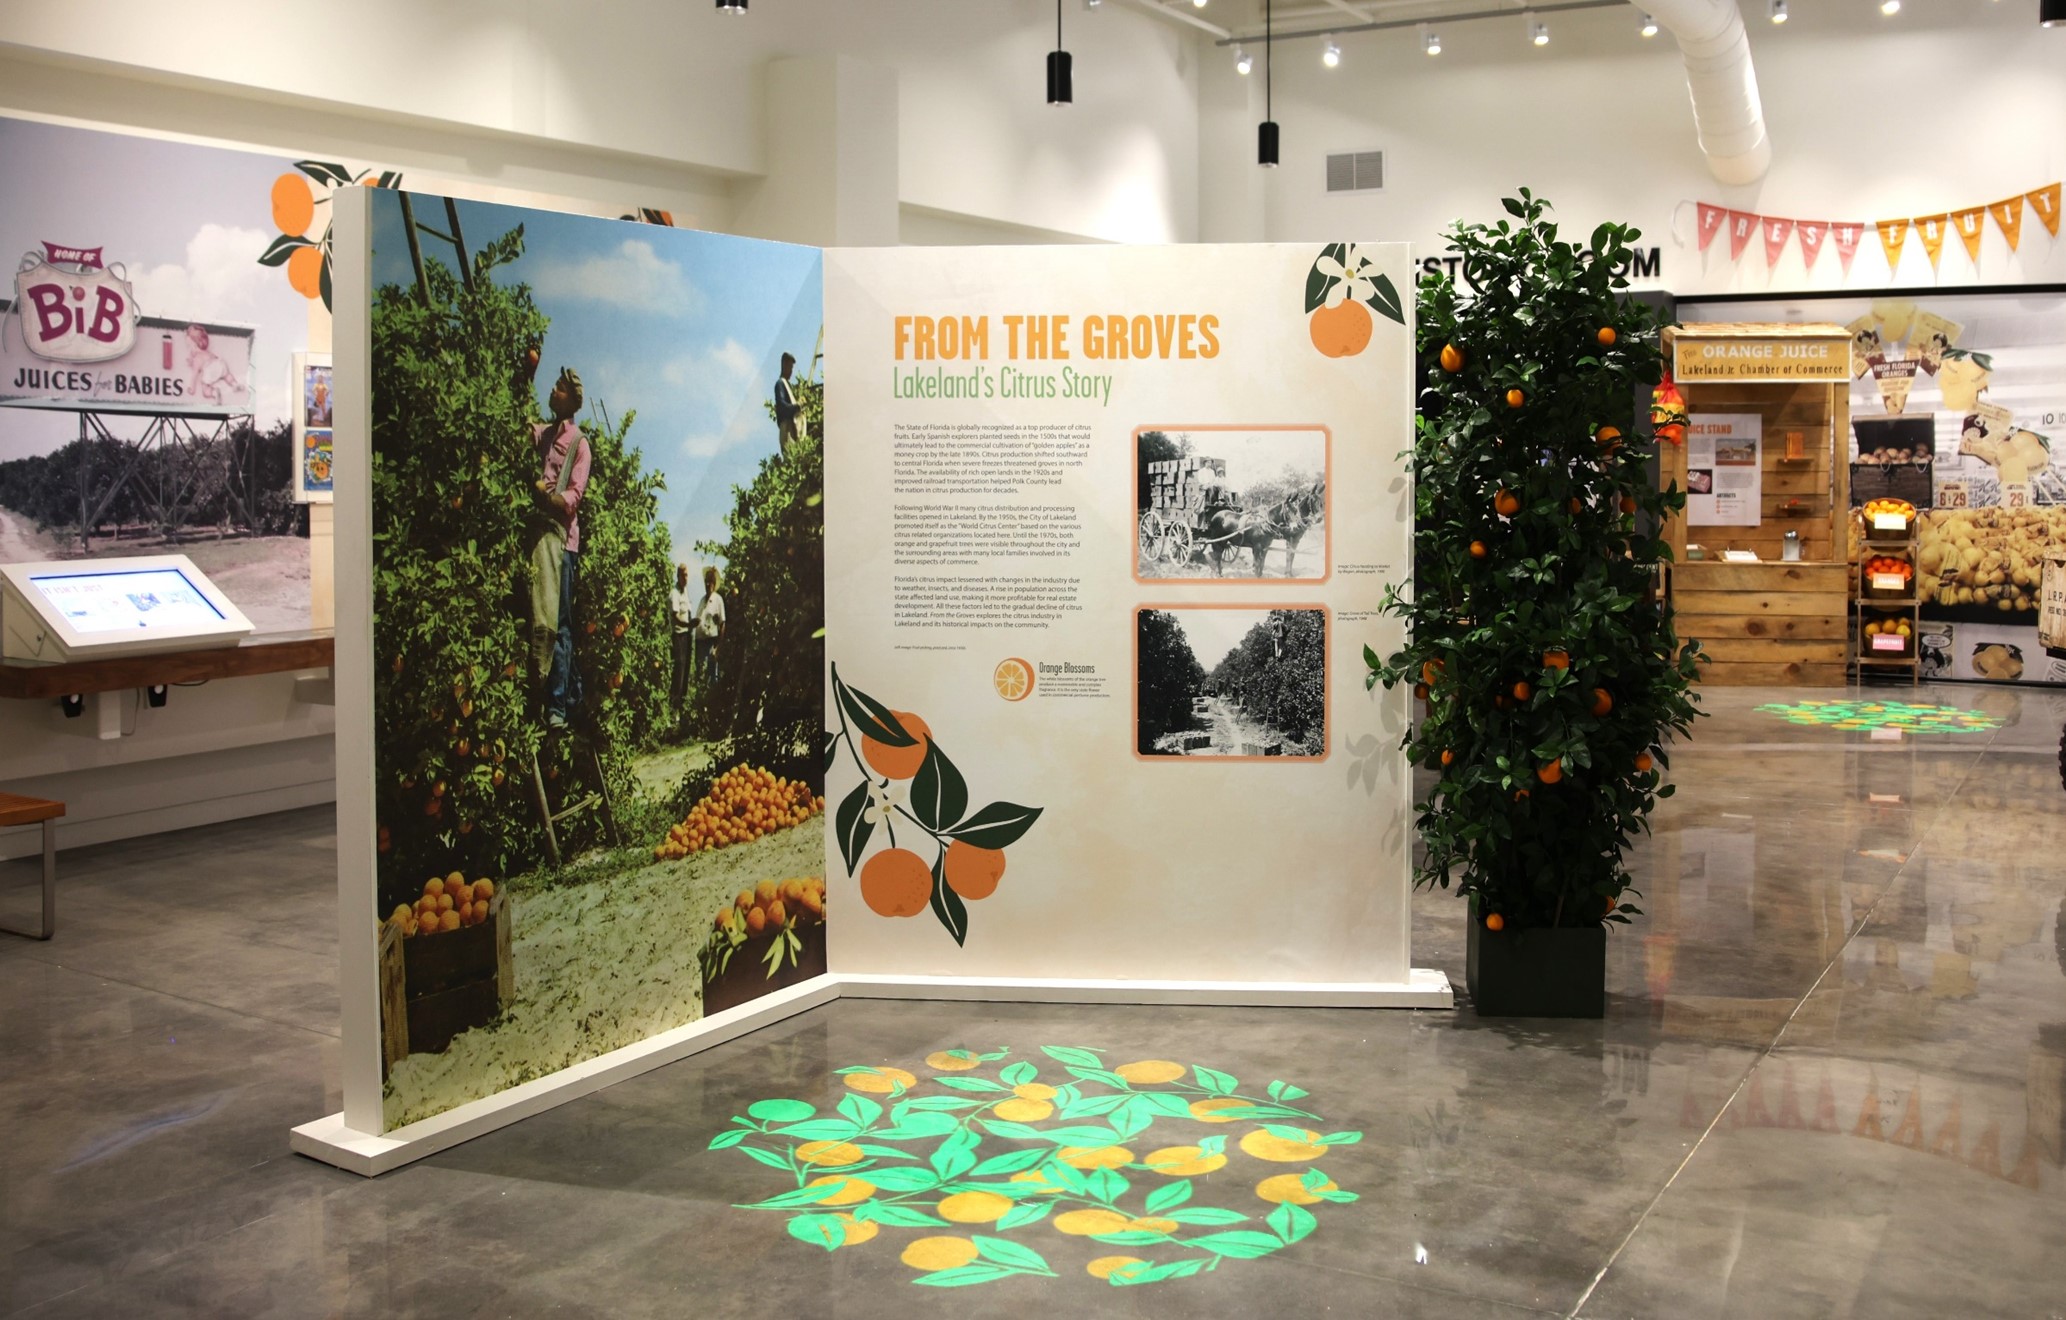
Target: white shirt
682,606
710,615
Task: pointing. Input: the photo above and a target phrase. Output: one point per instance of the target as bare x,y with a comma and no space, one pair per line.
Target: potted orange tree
1551,674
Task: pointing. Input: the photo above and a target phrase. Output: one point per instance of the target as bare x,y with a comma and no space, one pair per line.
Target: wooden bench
18,810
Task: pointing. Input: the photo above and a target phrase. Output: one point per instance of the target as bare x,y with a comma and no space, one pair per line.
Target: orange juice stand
1772,620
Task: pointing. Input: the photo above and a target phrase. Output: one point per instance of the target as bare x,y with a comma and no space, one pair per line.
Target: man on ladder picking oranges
564,460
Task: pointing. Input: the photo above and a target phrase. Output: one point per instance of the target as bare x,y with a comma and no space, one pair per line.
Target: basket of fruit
1888,577
1889,639
445,966
1888,517
769,937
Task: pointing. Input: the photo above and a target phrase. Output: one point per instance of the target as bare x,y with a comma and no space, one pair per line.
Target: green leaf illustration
820,1129
947,904
1167,1105
903,1178
925,1102
956,1154
281,248
924,1123
1132,1237
964,1276
1015,1131
868,717
801,1196
999,825
1019,1074
1218,1083
939,795
1386,299
1130,1275
1168,1198
1017,1161
972,1084
1340,1139
852,825
1025,1212
827,1231
769,1158
1242,1244
1318,282
1009,1253
1206,1215
1069,1054
896,1216
729,1138
324,172
1291,1222
1103,1076
861,1110
1106,1184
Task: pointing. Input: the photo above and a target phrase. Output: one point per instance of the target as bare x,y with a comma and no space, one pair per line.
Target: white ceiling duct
1726,110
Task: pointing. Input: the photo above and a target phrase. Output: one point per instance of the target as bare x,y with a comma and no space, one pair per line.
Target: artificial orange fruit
1644,764
1556,659
1515,398
1628,504
1448,757
1452,359
1551,772
1478,550
1420,690
1506,504
1607,336
898,762
1493,921
1575,506
1607,435
1602,701
1522,691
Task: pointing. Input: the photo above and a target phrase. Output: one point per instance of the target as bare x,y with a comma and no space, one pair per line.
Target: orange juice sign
1760,359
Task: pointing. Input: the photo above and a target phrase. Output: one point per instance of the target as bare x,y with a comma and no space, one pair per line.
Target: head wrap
570,380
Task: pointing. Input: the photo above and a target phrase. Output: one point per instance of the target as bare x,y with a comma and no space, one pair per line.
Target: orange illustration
1343,288
1013,679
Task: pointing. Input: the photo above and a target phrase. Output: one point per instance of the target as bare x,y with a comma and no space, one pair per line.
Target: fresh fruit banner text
1969,224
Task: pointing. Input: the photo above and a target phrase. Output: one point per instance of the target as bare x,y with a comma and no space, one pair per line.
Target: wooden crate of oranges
768,938
445,966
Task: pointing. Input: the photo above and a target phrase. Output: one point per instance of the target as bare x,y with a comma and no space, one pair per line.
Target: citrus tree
456,727
768,702
1551,676
1169,677
1278,672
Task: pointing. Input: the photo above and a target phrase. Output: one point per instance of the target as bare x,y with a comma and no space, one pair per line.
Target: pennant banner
2045,201
1812,233
1930,229
1971,224
1711,218
2009,215
1742,224
1846,237
1777,231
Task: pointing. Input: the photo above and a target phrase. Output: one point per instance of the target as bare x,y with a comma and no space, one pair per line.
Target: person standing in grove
564,459
787,410
681,609
710,628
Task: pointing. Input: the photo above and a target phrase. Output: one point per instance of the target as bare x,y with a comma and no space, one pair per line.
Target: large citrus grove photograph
598,630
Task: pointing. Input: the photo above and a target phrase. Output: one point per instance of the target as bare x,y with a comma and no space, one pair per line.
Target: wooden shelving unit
1870,603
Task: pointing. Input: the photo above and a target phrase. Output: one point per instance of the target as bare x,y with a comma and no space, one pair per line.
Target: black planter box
1537,973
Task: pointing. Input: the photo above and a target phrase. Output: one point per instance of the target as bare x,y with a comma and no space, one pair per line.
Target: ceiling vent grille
1355,171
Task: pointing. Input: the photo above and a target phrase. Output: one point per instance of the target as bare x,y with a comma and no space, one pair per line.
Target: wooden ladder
599,800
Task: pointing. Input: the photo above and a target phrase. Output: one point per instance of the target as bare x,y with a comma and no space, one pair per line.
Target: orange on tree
1550,772
1575,505
1493,921
1452,359
1478,550
1448,757
1342,331
1431,672
1607,336
970,871
1515,398
896,882
898,762
1644,764
1420,690
1628,504
1506,504
1556,659
1522,691
1603,702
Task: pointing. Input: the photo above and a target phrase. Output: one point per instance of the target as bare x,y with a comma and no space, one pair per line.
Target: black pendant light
1266,132
734,7
1061,81
2051,13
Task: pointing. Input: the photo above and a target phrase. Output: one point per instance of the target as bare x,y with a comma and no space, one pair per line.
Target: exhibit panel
1110,532
1957,405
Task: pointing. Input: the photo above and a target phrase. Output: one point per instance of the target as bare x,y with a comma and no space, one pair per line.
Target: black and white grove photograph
1230,681
1230,502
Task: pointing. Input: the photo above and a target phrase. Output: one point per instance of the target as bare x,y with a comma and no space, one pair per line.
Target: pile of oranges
1888,565
448,903
743,805
773,904
1893,508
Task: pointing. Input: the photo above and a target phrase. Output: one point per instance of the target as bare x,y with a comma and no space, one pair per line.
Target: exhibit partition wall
1958,406
620,778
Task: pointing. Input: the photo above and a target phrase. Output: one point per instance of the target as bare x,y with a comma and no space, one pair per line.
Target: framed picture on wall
310,393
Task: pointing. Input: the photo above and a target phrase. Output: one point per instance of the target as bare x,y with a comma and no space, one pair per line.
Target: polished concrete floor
1829,1083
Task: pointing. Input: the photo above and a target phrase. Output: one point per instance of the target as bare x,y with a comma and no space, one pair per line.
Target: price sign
1889,582
1890,522
1954,495
1889,642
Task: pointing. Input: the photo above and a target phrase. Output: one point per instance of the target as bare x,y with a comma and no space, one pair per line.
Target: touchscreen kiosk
57,612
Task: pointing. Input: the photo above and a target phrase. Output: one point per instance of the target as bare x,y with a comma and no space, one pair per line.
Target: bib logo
1342,290
73,307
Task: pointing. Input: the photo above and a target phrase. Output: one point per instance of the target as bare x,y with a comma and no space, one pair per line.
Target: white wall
1952,104
655,101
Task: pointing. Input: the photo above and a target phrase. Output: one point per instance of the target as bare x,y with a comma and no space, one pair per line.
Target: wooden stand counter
274,653
1776,621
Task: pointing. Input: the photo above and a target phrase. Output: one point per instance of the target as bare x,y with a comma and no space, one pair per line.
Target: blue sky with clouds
686,328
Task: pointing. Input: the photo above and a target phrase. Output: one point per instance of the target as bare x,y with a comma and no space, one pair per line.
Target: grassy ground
599,966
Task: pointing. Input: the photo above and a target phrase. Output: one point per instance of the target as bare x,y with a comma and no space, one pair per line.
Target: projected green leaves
1907,716
988,1166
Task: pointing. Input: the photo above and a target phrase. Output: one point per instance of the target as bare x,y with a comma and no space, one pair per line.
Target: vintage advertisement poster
1724,470
1109,532
596,511
314,426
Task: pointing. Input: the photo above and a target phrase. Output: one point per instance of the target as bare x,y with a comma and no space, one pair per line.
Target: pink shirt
552,440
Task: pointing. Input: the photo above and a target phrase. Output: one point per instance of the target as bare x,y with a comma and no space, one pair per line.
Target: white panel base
329,1140
1424,988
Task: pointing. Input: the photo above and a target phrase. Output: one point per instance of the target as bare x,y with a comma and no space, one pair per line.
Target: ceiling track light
736,7
1244,63
1266,132
1778,11
1649,26
1538,32
1061,75
1890,7
1330,54
1431,42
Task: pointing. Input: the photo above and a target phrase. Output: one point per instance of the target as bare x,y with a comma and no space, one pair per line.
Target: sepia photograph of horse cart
1234,503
